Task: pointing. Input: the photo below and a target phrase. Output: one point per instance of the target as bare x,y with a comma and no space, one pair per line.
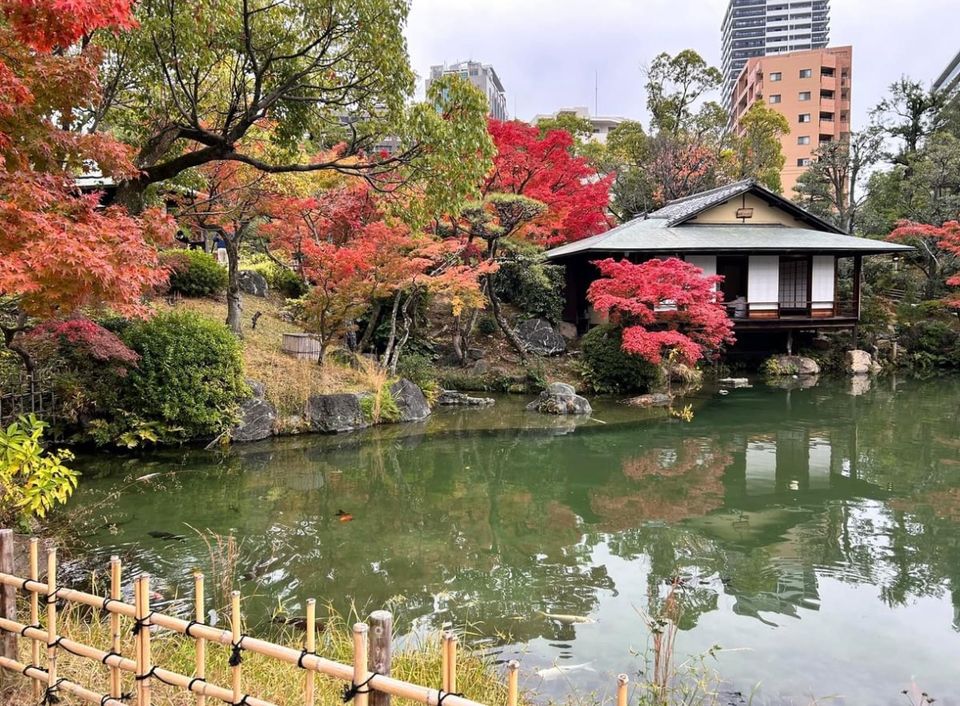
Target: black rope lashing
23,586
23,630
107,601
194,681
56,643
122,697
243,701
140,623
50,693
190,625
152,674
52,598
235,657
363,688
441,695
304,653
59,643
108,655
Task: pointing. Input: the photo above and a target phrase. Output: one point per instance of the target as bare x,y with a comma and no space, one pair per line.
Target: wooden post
35,612
380,654
513,682
857,283
8,594
445,662
310,645
360,662
622,682
236,634
115,587
200,671
51,618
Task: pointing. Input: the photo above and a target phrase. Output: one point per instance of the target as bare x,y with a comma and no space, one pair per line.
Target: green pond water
816,533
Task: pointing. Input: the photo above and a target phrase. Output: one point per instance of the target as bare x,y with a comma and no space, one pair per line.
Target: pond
814,534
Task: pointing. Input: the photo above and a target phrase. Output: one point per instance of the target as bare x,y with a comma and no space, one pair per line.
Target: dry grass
289,381
265,678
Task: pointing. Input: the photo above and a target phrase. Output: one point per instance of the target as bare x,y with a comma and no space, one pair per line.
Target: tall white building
480,75
601,124
763,27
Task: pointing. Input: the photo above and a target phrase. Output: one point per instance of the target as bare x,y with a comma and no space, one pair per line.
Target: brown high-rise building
811,89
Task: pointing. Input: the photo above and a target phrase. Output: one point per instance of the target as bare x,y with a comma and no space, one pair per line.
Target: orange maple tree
59,251
935,244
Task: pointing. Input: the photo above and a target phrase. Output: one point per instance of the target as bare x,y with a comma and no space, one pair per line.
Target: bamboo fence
370,683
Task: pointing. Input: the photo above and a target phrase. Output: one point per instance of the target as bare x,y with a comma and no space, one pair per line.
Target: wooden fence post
8,594
380,653
513,682
35,612
200,671
310,645
116,684
360,674
51,623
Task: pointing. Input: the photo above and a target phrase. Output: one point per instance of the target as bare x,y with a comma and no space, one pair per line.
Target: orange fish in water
344,516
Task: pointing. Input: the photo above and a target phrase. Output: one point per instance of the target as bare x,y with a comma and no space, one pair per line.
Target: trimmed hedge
194,273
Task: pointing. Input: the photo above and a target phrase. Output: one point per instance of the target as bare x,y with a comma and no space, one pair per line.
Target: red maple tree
934,243
545,169
59,251
663,306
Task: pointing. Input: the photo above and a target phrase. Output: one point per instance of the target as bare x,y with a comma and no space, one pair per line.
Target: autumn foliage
663,306
945,238
544,169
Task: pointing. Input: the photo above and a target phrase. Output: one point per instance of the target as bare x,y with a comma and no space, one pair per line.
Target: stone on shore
560,398
861,363
780,365
258,417
539,337
332,414
454,398
410,401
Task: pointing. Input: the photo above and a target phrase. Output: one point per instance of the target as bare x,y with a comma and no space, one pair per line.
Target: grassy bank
264,678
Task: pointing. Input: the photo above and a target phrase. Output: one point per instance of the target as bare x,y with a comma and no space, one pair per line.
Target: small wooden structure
301,345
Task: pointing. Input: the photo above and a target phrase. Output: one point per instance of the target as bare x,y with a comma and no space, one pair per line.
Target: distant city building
480,75
602,124
753,28
811,89
950,78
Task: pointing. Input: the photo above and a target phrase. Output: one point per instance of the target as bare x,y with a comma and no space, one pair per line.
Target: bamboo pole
51,619
145,632
622,683
360,662
445,662
36,674
35,612
310,645
237,635
115,587
200,671
138,638
513,682
337,670
452,663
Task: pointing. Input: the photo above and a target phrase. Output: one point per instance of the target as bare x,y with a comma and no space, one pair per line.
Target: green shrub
194,273
486,325
931,344
280,279
190,375
534,287
607,368
380,407
32,481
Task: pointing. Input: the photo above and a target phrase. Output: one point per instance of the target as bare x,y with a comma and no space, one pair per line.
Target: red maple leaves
663,306
945,237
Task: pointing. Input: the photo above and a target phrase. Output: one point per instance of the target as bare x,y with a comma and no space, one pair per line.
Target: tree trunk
9,340
502,321
407,326
234,295
371,327
129,194
391,339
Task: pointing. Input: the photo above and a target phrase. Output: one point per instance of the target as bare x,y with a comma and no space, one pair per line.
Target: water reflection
772,505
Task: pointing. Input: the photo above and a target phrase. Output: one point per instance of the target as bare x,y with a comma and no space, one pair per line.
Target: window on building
804,95
806,73
827,71
803,162
774,98
826,117
804,117
776,76
803,140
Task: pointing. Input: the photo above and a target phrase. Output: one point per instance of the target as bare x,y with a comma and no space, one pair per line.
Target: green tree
193,79
755,151
908,115
831,187
674,85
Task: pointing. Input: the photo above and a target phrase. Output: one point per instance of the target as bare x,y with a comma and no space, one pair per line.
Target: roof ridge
708,192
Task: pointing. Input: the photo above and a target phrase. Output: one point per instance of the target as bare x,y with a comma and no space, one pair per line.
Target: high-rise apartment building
812,89
754,28
949,80
480,75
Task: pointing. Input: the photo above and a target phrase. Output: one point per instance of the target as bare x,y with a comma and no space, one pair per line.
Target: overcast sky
547,52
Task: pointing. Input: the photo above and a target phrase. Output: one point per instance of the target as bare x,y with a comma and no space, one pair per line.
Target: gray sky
546,52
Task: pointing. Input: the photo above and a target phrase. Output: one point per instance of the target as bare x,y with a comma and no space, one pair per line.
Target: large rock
567,330
560,398
410,400
453,398
791,365
538,336
258,418
860,363
334,413
252,283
